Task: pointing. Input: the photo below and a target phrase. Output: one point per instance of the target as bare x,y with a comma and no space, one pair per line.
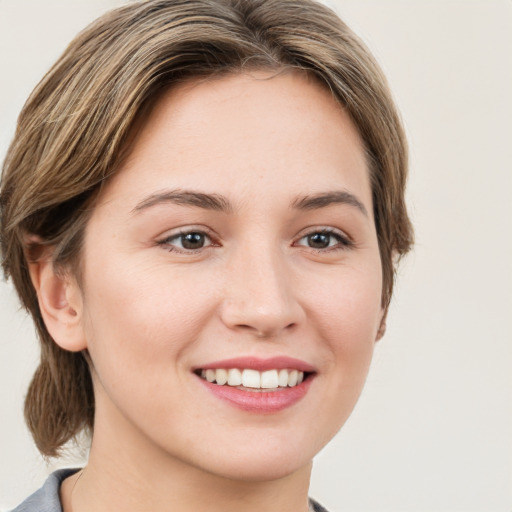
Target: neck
107,487
123,475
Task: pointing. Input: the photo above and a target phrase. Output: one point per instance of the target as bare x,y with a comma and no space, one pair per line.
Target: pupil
319,240
192,240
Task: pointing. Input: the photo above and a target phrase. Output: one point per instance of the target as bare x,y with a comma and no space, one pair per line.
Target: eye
325,239
187,241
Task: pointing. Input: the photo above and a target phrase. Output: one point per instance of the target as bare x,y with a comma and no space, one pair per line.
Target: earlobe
60,303
382,327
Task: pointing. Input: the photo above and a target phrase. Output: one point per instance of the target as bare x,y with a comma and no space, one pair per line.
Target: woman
202,210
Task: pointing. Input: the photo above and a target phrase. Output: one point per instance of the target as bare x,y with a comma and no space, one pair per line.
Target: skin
150,311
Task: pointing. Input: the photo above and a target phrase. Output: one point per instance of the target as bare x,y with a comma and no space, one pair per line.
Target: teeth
221,377
251,379
270,379
234,377
283,378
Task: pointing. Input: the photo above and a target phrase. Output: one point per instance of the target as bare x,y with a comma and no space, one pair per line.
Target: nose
260,296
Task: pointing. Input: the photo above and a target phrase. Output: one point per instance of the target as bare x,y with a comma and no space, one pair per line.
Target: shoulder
46,499
315,507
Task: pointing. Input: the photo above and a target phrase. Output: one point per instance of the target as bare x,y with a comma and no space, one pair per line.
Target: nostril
261,318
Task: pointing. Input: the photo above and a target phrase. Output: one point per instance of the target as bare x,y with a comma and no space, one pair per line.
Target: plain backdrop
432,430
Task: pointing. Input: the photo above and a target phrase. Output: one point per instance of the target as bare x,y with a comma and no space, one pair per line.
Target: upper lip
260,364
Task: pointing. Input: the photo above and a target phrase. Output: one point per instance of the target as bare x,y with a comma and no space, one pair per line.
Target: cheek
347,315
348,304
140,326
139,319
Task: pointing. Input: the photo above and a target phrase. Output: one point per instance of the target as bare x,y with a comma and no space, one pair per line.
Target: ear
60,302
382,327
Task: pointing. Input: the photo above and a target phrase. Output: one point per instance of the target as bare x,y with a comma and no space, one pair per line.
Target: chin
262,459
259,469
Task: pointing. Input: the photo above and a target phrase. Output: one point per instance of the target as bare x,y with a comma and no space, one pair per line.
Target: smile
253,380
258,386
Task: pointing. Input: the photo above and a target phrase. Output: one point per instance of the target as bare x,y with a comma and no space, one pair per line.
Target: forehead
281,129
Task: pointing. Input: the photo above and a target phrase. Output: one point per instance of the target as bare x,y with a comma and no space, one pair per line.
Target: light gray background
432,431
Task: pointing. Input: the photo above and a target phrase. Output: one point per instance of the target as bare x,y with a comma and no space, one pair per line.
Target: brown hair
74,127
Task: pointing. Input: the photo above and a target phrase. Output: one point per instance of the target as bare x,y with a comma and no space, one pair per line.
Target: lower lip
260,401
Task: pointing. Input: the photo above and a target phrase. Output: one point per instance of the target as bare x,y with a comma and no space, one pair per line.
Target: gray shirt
47,499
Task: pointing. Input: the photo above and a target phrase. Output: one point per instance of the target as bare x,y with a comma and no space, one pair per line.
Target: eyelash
343,241
166,242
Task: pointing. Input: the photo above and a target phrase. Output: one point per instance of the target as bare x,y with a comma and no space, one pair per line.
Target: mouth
262,386
249,379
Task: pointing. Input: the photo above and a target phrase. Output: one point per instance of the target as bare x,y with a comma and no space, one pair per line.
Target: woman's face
238,235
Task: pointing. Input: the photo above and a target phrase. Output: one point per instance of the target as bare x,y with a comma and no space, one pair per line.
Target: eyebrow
214,202
324,199
220,203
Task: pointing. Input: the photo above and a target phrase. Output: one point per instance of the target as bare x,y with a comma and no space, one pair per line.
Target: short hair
74,130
